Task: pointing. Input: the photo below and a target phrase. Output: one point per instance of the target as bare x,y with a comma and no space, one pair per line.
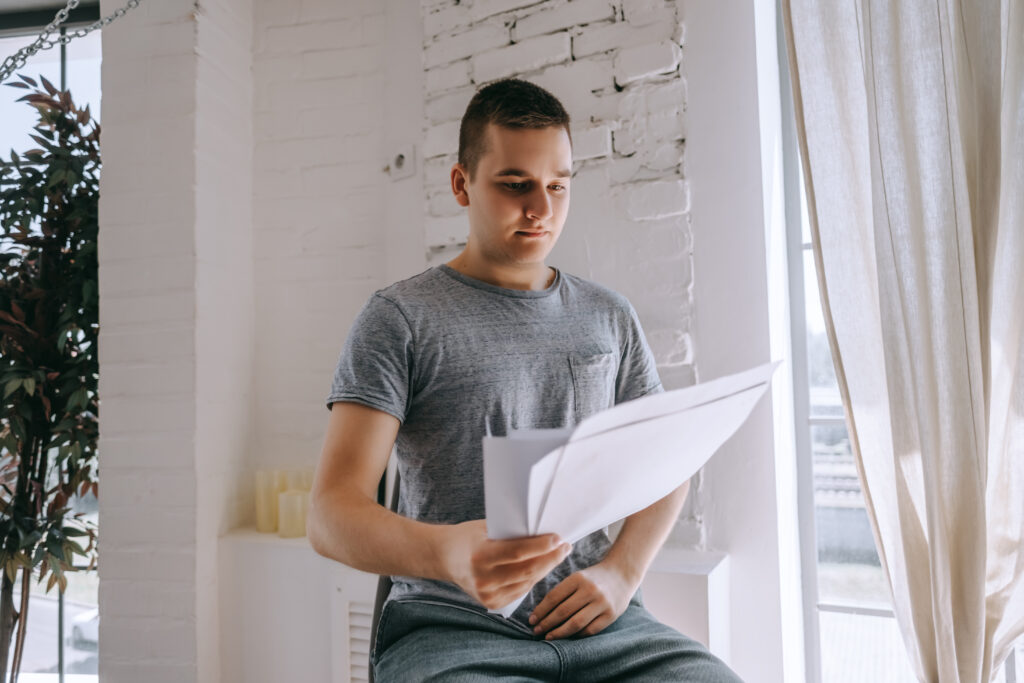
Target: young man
493,339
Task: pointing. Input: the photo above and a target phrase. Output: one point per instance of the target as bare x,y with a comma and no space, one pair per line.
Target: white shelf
249,534
672,560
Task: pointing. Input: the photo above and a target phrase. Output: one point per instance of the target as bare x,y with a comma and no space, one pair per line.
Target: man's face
519,198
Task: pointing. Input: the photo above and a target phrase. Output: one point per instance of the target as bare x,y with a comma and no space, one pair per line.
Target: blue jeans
421,639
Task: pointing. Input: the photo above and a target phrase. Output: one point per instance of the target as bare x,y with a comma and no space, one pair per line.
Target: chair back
384,582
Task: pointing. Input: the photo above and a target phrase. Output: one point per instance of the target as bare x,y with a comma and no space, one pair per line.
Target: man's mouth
531,233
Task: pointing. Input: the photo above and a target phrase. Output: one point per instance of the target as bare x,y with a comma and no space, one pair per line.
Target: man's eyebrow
563,173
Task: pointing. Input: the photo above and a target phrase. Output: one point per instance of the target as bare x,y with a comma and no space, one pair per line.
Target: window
858,636
62,628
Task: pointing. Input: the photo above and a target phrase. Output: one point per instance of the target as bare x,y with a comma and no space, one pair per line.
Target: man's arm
589,600
346,523
642,535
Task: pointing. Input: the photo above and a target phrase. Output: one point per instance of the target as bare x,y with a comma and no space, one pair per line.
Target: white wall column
731,328
176,317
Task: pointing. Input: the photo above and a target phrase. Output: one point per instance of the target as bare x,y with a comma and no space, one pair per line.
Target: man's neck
527,277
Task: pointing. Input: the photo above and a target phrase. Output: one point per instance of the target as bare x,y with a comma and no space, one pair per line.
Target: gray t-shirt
449,355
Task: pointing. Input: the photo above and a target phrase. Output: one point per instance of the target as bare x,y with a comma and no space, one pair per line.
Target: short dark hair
509,102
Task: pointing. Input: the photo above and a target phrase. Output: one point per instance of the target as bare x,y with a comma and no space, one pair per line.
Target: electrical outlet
402,163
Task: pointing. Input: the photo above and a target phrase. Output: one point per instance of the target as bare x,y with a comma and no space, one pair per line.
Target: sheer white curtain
911,123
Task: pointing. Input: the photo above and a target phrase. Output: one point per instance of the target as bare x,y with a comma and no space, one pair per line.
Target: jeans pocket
593,381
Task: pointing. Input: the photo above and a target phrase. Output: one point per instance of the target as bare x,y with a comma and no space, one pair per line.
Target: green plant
49,322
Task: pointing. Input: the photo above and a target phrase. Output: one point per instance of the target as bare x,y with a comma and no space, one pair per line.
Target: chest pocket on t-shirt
593,381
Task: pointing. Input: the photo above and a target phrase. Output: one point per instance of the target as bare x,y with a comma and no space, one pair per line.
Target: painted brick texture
618,67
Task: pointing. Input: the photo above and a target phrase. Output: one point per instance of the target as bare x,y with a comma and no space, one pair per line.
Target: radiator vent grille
360,619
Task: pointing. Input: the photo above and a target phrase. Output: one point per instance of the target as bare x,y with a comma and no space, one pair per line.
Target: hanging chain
43,42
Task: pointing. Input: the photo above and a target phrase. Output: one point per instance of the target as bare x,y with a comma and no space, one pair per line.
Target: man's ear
460,181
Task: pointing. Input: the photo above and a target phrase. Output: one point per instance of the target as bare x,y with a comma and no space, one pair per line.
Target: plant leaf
11,387
49,86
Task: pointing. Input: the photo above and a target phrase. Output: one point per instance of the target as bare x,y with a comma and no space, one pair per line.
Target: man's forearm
643,534
354,530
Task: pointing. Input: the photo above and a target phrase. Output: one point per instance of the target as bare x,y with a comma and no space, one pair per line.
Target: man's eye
518,187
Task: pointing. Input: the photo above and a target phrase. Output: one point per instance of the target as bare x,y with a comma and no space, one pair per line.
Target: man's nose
538,206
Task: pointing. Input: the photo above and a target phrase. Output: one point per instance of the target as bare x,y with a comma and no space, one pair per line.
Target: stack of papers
577,480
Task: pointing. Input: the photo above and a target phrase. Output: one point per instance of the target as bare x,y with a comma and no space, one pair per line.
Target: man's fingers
598,625
515,550
555,597
576,622
506,594
564,611
537,565
529,571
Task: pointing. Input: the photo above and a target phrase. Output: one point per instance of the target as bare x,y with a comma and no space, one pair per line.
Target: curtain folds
910,118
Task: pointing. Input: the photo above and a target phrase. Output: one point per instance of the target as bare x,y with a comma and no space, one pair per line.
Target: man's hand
585,602
497,572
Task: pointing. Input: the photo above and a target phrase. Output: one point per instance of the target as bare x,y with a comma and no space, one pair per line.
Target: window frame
792,191
31,22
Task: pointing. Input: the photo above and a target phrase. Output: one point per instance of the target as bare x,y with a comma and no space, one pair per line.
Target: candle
266,501
307,479
281,480
291,513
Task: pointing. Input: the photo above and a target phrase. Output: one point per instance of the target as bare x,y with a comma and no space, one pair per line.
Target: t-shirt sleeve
638,373
375,366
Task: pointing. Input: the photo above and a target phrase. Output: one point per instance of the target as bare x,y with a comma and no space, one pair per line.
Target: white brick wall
225,312
531,54
147,347
557,16
177,330
245,219
617,66
319,192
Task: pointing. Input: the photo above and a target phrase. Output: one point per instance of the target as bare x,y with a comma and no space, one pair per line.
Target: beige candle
307,479
291,513
266,501
281,480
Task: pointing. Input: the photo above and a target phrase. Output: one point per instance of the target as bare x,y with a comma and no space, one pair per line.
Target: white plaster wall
731,180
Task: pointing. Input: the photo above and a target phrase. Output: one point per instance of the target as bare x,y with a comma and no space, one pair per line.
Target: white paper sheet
573,482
